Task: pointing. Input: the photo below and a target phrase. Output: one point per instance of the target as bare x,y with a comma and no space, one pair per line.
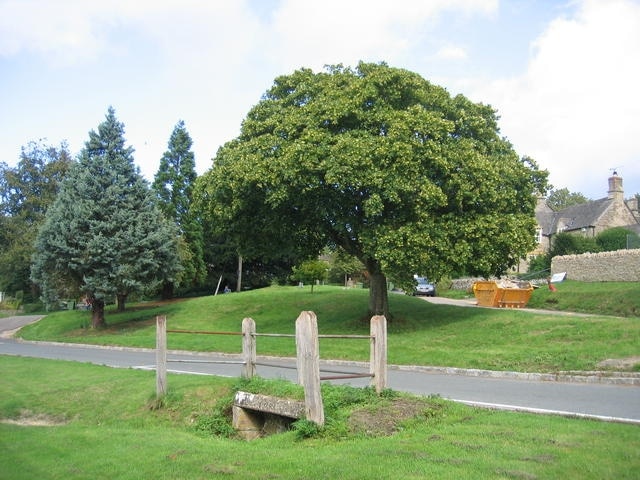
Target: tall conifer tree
104,236
173,185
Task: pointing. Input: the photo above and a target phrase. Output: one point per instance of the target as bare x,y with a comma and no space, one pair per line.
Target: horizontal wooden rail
230,362
289,335
362,337
343,374
284,335
330,370
200,332
353,375
275,365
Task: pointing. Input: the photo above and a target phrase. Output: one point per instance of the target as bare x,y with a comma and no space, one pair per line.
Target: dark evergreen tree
173,185
104,236
26,191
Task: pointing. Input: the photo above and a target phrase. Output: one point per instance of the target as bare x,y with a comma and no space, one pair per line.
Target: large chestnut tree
381,162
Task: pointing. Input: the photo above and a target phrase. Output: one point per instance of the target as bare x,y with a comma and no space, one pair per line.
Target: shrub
617,238
10,303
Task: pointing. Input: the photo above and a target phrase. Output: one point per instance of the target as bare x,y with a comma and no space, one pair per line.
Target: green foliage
445,284
310,271
173,184
570,244
360,412
338,397
306,429
617,238
26,192
104,235
10,303
382,163
540,264
563,198
29,188
343,266
29,308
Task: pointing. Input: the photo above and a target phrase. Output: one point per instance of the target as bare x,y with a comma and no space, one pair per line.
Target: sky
563,75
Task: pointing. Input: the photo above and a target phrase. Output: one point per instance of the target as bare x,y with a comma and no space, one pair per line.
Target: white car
425,287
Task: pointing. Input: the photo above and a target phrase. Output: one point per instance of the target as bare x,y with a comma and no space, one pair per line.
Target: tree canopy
310,271
104,236
382,163
26,191
562,198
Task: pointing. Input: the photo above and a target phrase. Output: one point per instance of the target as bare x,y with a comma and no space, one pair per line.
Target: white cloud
451,52
77,29
335,31
575,110
48,27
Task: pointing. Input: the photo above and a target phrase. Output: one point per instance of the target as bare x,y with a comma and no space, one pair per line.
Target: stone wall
618,266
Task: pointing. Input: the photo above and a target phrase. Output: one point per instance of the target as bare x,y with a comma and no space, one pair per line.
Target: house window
538,235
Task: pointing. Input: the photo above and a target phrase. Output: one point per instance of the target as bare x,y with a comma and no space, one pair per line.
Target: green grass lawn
102,423
420,333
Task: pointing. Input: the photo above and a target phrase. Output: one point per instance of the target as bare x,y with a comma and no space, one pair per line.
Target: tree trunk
167,291
121,298
378,297
239,283
97,313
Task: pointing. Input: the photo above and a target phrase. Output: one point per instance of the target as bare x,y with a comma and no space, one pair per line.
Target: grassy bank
620,299
420,333
100,423
597,298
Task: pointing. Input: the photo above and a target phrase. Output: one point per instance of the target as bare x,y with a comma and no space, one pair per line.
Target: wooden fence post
308,362
161,356
378,355
249,347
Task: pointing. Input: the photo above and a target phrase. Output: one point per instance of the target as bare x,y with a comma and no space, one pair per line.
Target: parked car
424,287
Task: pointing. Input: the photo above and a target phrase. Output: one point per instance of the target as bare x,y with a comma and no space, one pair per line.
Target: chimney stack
616,192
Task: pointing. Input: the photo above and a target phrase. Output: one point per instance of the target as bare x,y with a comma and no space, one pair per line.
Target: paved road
602,401
9,325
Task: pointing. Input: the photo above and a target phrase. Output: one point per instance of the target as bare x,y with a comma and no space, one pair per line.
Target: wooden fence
307,356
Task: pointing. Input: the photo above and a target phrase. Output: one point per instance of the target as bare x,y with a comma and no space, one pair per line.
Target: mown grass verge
103,423
420,333
621,299
596,298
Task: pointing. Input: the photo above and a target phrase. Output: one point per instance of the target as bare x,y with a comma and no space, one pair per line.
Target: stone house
588,219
